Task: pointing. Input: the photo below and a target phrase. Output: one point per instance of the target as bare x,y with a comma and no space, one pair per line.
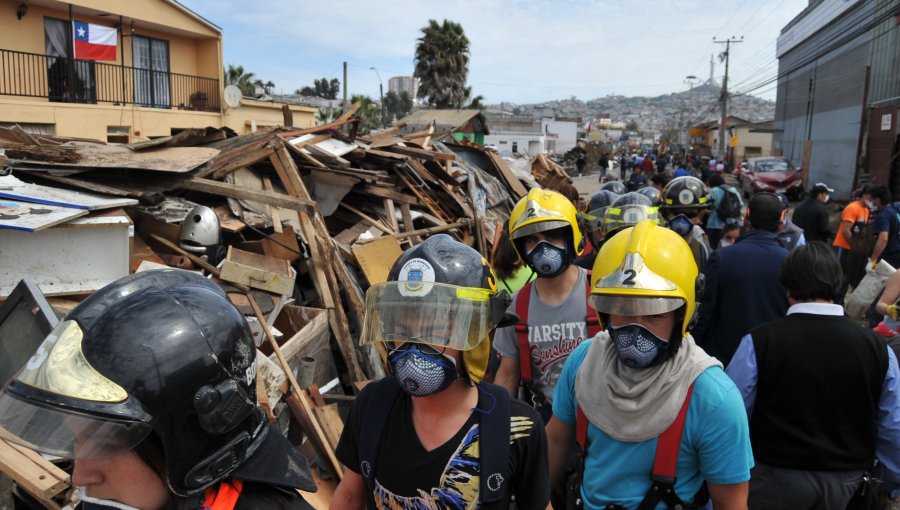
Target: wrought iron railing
85,81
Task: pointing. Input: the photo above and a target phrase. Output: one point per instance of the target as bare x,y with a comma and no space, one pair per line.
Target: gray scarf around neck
636,404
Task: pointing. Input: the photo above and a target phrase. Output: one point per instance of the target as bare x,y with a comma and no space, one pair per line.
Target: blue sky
522,51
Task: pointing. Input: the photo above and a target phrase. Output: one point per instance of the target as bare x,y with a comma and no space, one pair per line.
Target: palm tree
442,64
369,113
235,75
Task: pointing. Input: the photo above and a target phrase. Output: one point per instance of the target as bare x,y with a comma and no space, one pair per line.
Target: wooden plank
383,192
331,423
386,154
239,160
350,112
312,141
288,115
421,153
315,430
227,221
408,226
336,315
294,133
425,231
512,182
274,212
391,214
368,219
83,184
376,258
323,155
233,191
282,245
38,476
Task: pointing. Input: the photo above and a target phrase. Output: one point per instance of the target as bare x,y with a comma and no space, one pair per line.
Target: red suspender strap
222,497
581,427
522,300
669,443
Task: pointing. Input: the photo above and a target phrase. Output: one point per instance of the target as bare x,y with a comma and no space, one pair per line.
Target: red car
774,174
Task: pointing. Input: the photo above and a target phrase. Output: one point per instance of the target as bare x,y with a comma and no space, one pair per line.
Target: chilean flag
94,42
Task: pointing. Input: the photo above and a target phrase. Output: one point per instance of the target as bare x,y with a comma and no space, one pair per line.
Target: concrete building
562,135
408,84
166,74
515,134
839,91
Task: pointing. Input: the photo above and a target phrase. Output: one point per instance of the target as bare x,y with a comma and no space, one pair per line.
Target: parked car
774,174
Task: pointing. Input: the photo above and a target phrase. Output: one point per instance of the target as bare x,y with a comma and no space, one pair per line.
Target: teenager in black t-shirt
433,435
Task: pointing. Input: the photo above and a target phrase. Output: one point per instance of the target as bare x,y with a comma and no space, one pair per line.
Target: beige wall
748,139
92,121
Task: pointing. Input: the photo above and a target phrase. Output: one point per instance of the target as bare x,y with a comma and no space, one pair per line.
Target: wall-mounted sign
886,122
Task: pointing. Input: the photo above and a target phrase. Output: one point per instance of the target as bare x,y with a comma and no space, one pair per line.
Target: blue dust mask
637,346
547,260
421,370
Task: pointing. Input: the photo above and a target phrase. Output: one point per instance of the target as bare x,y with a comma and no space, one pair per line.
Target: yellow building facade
167,74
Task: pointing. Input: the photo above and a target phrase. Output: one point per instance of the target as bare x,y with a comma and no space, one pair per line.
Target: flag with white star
94,42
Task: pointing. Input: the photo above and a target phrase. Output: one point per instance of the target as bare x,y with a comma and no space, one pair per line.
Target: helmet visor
593,220
65,433
437,314
634,306
628,215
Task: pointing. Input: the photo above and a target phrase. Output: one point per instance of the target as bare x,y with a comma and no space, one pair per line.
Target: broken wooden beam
234,191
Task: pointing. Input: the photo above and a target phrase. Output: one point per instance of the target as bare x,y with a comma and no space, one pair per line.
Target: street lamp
381,95
690,80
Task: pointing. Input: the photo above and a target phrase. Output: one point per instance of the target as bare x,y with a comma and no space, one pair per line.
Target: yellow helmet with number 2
542,210
646,270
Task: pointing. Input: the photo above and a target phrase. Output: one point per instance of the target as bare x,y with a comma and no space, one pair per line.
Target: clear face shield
34,408
440,315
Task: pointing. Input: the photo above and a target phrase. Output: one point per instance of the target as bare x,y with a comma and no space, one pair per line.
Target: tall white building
408,84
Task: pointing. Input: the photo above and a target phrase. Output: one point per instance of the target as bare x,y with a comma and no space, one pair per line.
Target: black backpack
729,207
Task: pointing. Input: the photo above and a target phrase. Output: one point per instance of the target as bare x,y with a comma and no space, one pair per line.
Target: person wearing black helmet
615,186
150,386
627,211
433,434
593,226
653,193
685,201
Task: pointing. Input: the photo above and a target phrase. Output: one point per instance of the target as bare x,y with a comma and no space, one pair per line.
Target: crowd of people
665,346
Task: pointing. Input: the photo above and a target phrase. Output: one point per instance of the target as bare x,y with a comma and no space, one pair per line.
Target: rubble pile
294,224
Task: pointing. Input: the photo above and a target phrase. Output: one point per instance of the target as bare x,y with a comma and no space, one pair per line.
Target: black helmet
627,211
596,208
616,187
159,353
685,192
652,193
452,286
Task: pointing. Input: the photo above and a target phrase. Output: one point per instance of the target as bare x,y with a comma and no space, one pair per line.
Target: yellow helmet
646,270
543,210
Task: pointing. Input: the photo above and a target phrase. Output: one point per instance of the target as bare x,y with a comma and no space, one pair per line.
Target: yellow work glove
874,263
893,311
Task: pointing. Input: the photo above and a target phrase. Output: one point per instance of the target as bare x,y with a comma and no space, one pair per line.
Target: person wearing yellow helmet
652,414
553,313
433,434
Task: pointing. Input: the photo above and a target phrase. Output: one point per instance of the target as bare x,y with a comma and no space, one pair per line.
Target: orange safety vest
223,497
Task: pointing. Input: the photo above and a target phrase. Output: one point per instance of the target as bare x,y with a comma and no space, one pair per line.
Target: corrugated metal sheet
443,119
820,98
885,79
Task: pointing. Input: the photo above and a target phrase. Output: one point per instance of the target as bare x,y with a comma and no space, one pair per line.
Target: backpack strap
374,420
494,432
665,463
522,302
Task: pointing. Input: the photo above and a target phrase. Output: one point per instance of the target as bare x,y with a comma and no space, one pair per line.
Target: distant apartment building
408,84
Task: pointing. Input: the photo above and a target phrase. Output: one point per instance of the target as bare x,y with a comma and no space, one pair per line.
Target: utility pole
380,95
346,104
722,125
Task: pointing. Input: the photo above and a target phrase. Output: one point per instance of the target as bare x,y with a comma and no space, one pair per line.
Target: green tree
369,113
322,87
397,106
473,103
632,125
442,64
235,75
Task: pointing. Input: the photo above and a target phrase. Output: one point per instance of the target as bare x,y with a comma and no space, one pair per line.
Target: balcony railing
86,81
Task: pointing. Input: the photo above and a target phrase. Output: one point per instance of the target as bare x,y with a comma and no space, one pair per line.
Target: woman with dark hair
511,271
